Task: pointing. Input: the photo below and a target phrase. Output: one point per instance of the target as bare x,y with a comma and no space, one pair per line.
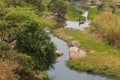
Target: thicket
107,28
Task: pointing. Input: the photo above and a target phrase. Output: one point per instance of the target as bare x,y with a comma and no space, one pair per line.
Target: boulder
75,52
75,43
59,53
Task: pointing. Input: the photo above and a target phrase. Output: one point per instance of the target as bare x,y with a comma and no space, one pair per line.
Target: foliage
106,27
73,13
38,4
85,7
20,24
59,7
35,42
42,76
25,61
117,12
4,46
4,50
93,12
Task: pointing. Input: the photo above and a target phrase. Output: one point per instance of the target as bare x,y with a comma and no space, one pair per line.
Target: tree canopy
59,7
23,38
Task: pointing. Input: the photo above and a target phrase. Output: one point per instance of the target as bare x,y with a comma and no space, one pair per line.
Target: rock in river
59,53
75,52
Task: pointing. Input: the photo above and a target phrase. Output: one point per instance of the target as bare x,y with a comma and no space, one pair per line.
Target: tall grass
107,28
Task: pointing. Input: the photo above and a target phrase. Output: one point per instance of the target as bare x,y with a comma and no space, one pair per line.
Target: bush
59,7
35,42
107,27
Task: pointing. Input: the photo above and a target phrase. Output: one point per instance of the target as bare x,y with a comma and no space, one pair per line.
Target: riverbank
101,59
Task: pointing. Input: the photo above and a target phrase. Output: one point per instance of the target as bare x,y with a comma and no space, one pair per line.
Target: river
61,71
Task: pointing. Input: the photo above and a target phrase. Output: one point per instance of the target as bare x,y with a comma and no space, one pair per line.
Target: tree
24,26
38,4
34,41
59,7
34,51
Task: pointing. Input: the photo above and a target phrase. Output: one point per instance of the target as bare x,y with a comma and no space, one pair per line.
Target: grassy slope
105,59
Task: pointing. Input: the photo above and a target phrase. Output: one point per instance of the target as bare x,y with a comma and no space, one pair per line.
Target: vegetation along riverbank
100,40
26,49
101,59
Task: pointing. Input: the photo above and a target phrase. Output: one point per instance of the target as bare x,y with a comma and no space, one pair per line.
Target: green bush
59,7
28,29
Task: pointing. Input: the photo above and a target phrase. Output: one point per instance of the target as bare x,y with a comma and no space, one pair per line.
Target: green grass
86,41
105,59
73,14
117,12
93,12
103,64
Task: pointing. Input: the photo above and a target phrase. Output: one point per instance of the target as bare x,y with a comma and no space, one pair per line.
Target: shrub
107,27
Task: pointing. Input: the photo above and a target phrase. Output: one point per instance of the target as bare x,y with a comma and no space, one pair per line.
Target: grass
107,28
104,64
105,59
73,14
117,12
86,41
93,12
